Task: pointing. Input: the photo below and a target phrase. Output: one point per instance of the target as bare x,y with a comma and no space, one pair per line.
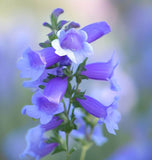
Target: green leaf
67,71
68,91
62,116
53,66
52,36
81,67
54,21
80,95
45,44
76,104
41,86
78,79
34,119
58,149
50,76
83,77
67,127
73,115
53,140
72,150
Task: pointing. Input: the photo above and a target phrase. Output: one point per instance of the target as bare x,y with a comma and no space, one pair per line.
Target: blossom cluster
58,102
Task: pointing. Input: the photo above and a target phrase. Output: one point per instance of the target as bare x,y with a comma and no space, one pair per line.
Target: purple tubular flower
56,89
56,121
113,117
48,56
57,12
36,146
47,104
62,23
72,43
65,61
72,25
31,65
97,136
93,107
39,81
96,30
107,114
102,71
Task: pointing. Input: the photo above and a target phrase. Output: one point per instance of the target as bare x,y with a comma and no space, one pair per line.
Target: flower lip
44,105
72,40
73,44
31,65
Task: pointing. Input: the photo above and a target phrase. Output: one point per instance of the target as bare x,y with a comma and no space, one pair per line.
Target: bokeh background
131,40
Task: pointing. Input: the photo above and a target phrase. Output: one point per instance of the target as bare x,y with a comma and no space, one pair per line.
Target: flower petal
56,89
48,56
56,121
101,70
113,117
97,136
93,106
96,30
36,146
59,51
31,65
73,44
31,111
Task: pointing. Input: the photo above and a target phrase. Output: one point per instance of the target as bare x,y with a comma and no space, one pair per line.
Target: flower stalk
63,108
84,150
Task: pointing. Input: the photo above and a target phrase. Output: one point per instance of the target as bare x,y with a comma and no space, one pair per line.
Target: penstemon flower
58,102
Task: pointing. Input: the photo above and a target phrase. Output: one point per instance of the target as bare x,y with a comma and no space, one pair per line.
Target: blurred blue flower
36,142
83,131
139,24
107,114
133,151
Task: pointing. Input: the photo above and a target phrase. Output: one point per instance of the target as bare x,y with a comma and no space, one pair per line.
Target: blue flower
75,43
106,114
96,30
47,104
36,145
33,64
56,121
83,131
102,71
40,81
72,43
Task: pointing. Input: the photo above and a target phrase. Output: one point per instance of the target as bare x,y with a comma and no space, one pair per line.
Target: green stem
65,110
69,106
71,98
85,148
67,150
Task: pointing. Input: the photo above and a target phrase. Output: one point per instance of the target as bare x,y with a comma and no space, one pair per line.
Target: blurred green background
131,39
